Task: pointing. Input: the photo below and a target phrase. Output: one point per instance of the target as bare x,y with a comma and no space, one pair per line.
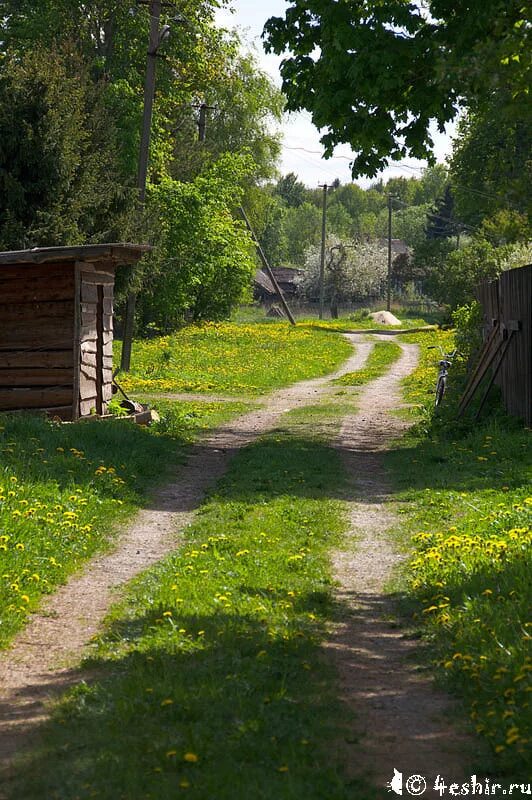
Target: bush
204,262
454,280
467,320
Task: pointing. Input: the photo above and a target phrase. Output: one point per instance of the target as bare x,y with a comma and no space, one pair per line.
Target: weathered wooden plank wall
36,322
96,337
509,301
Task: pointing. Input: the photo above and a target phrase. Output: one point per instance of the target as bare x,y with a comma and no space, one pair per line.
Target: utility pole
322,255
156,38
389,276
202,120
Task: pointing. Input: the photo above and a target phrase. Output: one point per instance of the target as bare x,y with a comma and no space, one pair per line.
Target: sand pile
385,318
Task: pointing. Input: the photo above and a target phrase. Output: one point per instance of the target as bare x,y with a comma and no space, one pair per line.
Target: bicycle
445,362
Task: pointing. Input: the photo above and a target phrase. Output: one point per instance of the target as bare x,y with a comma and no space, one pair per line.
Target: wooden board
35,377
33,290
13,399
33,313
54,359
87,386
50,334
86,406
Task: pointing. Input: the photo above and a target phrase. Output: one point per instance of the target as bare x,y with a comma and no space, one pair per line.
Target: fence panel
508,301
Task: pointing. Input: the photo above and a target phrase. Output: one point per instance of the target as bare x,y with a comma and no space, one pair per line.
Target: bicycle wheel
440,390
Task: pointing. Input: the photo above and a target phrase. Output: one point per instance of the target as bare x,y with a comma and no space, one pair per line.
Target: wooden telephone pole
157,36
389,274
322,255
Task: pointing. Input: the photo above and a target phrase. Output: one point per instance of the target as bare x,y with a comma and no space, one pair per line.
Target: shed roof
120,253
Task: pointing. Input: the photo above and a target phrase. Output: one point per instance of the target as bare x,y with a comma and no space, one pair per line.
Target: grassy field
63,488
233,359
465,492
210,678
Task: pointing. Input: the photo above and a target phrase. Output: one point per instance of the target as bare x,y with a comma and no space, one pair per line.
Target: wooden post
389,274
76,348
322,254
267,267
149,93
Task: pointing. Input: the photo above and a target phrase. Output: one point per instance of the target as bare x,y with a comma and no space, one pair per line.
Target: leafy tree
60,181
339,221
243,102
352,269
440,219
204,261
303,229
506,227
430,185
491,164
374,73
292,191
453,280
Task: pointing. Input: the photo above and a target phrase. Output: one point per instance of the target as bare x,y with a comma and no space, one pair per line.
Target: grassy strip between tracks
210,682
466,500
379,361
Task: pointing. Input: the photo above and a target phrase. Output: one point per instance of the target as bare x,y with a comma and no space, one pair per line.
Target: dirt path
403,721
40,664
400,711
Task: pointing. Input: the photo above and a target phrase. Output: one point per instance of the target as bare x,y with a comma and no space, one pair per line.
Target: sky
301,148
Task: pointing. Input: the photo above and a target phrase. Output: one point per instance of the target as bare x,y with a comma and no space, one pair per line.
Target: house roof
287,274
119,253
262,280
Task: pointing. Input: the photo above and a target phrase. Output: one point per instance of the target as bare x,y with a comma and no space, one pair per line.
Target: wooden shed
56,327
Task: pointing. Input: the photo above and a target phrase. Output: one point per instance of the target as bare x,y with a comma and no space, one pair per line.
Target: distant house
263,288
286,277
399,247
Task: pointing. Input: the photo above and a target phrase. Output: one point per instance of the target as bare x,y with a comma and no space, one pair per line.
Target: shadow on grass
42,451
229,691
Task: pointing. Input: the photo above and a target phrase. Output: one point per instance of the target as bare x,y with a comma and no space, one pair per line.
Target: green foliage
467,321
440,218
59,178
453,280
491,166
291,190
355,67
506,227
204,262
302,229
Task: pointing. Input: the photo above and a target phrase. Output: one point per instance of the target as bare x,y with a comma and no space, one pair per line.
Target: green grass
379,361
466,492
63,488
210,679
233,359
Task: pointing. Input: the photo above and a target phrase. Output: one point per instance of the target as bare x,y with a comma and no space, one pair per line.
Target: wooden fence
507,313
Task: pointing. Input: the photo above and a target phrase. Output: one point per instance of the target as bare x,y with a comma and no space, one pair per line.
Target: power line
467,189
